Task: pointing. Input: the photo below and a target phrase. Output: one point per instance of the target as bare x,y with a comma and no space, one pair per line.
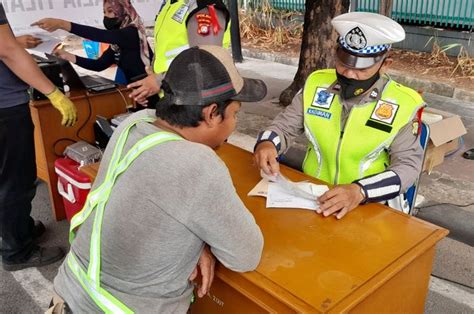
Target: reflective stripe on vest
96,201
342,156
171,35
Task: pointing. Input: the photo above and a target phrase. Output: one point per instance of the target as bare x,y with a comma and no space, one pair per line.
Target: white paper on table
279,196
260,189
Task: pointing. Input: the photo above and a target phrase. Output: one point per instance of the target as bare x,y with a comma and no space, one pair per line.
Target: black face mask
112,23
352,88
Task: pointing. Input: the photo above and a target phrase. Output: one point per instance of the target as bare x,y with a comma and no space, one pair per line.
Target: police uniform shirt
406,154
195,39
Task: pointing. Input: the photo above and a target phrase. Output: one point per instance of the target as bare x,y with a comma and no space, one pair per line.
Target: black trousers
17,182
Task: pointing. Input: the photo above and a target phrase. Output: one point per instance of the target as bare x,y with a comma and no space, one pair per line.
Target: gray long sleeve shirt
174,198
406,153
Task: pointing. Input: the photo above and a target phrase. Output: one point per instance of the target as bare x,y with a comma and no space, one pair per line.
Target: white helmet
364,38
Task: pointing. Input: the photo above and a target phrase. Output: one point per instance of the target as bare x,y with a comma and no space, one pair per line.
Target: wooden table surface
323,264
374,259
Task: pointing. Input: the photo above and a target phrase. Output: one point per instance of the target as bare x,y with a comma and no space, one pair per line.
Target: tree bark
386,7
317,44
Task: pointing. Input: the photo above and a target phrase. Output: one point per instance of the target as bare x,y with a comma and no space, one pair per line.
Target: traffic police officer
181,24
362,126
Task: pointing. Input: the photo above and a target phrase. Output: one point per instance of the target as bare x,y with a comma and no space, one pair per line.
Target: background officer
181,24
361,125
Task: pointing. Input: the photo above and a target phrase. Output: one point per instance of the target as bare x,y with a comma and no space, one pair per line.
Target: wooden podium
51,138
374,260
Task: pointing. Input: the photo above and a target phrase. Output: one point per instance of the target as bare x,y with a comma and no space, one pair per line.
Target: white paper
296,189
260,189
287,194
48,43
278,197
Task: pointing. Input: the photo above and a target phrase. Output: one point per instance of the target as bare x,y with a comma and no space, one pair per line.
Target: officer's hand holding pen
266,158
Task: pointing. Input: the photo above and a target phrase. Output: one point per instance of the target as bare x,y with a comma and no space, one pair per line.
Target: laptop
92,83
39,59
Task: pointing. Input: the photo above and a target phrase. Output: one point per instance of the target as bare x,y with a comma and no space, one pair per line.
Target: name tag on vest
319,113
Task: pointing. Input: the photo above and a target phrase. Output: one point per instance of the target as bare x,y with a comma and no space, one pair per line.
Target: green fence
443,13
289,5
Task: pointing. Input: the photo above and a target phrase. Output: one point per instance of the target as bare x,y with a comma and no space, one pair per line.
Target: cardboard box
444,137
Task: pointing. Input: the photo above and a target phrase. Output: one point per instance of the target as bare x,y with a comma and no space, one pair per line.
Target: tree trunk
317,44
386,7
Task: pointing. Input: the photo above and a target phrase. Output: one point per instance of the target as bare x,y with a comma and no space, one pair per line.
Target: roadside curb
424,86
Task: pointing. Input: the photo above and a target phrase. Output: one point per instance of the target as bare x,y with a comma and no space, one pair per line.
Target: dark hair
186,115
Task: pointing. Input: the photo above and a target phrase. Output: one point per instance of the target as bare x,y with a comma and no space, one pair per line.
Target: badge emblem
384,112
322,98
204,24
355,39
358,91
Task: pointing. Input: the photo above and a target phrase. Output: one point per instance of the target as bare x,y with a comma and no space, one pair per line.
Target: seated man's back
173,197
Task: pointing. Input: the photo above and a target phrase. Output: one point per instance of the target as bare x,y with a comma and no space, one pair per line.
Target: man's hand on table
266,158
205,265
340,200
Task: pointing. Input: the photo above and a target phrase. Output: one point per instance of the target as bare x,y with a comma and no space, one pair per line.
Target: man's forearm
21,63
289,124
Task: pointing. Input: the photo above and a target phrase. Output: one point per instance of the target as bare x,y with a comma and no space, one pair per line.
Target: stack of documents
283,193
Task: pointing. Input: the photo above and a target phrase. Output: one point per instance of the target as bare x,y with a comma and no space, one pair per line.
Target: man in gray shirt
362,127
174,200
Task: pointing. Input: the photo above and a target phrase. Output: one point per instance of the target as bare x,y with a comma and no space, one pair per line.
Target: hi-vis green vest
361,148
96,201
171,35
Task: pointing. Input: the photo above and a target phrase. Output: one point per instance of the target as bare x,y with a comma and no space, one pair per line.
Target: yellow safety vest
361,148
171,35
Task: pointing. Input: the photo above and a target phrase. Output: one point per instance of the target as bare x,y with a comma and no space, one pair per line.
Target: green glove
65,107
